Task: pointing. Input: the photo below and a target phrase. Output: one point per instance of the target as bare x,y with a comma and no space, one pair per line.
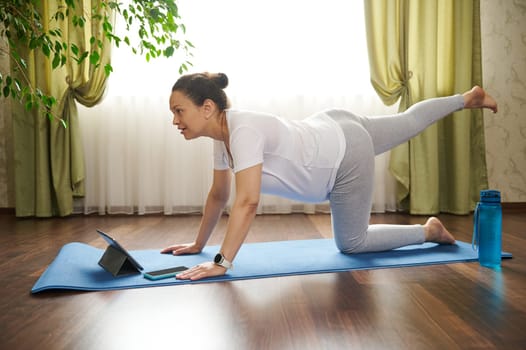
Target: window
290,58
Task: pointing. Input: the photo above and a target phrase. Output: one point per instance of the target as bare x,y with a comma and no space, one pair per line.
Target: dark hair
201,86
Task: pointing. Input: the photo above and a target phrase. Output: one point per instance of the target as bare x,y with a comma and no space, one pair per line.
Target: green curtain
420,49
49,160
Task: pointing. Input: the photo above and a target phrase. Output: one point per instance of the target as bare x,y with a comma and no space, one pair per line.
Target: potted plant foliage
153,29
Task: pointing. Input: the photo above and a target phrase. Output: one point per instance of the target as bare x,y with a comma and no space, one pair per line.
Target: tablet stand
117,263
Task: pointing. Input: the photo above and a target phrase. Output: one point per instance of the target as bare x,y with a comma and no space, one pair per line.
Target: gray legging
351,196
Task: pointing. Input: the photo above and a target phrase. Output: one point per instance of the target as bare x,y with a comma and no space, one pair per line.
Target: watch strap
221,261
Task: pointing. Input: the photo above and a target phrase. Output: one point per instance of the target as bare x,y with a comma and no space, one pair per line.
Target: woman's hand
180,249
207,269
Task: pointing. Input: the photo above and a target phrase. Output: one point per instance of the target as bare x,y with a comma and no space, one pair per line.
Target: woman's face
189,118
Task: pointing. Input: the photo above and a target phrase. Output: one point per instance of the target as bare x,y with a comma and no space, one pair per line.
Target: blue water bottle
487,229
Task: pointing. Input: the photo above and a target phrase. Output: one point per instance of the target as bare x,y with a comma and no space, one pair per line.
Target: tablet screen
117,246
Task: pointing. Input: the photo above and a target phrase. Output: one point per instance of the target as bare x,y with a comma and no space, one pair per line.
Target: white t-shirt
300,158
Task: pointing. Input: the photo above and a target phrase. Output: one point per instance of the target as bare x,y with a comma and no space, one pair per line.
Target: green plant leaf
46,50
83,56
75,49
108,69
33,44
94,58
23,63
56,61
106,26
18,85
169,51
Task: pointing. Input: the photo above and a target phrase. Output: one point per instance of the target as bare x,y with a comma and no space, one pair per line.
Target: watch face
218,258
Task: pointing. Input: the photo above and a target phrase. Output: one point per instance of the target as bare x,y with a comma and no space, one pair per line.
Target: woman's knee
350,242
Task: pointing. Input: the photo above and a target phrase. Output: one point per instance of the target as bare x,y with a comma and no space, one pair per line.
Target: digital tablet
111,241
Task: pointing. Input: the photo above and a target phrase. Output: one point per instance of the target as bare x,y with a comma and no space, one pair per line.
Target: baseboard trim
7,211
506,206
514,206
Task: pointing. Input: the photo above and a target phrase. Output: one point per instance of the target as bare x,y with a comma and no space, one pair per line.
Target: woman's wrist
199,245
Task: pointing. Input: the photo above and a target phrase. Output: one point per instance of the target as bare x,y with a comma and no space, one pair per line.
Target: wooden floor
456,306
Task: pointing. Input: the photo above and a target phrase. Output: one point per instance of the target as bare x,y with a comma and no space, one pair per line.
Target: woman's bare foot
478,98
437,233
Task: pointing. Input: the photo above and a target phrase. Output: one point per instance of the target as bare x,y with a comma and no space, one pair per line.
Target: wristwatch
221,261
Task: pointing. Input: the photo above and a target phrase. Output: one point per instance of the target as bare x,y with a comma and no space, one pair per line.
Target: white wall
504,70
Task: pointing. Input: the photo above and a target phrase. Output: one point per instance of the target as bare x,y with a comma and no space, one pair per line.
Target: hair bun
220,79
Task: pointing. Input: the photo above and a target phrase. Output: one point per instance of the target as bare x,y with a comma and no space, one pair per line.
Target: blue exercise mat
76,266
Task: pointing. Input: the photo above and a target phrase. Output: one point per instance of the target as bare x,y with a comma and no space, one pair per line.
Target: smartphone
165,273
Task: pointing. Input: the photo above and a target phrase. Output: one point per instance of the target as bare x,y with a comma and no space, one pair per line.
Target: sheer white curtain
292,58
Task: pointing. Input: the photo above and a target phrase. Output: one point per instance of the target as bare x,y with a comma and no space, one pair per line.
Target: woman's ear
208,108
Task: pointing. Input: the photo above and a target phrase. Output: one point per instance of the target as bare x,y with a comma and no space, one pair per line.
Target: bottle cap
490,196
